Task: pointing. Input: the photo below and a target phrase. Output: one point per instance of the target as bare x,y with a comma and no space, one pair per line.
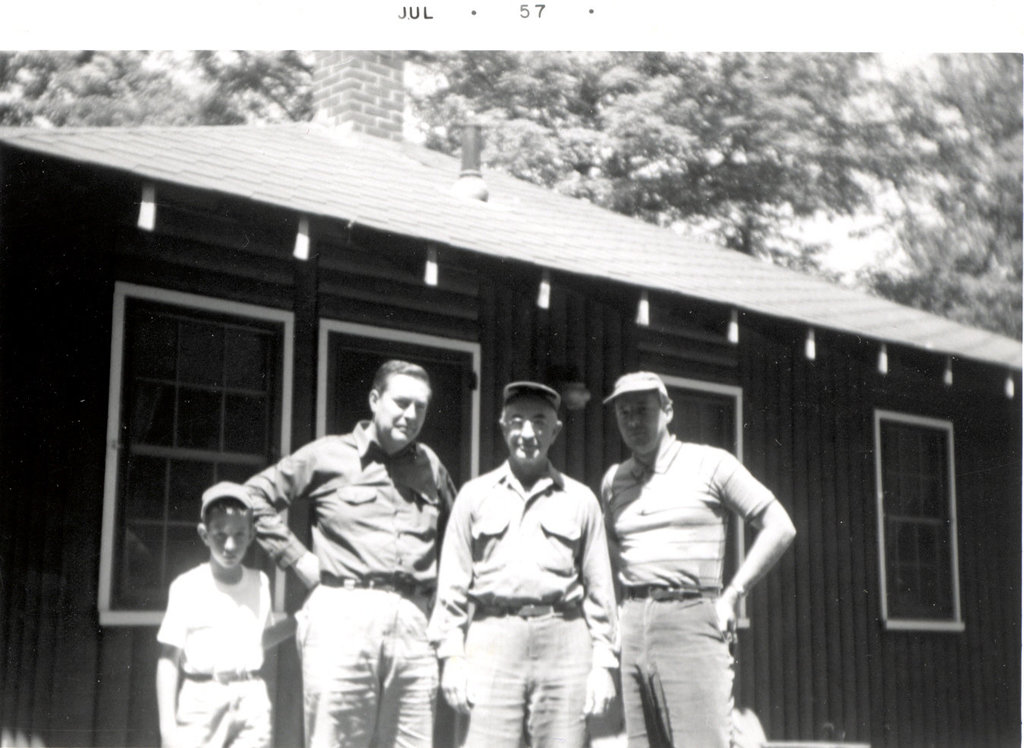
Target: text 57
524,10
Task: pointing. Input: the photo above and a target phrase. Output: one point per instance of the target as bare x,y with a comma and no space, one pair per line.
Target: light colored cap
225,490
515,389
638,381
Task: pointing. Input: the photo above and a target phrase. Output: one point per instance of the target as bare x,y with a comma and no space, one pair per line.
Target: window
197,395
917,522
709,413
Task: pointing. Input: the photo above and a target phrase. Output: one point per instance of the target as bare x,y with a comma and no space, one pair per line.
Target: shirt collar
666,455
506,477
368,446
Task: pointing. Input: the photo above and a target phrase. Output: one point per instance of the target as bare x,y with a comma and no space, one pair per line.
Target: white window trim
328,326
122,292
739,526
956,624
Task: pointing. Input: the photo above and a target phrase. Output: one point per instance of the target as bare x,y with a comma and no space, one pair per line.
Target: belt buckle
535,610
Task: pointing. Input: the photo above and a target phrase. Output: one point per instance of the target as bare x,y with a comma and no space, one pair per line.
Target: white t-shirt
218,626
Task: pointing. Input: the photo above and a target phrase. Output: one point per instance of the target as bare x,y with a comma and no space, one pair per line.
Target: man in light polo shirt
667,508
526,548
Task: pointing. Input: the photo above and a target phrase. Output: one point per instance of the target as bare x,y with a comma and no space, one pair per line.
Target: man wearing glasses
525,614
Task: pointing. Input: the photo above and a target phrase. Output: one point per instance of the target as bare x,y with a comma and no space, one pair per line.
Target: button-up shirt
667,521
374,515
509,546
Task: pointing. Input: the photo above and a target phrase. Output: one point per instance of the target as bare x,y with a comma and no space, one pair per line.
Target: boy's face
227,535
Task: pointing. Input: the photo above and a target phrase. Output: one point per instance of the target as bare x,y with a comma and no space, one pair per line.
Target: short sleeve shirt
219,627
667,522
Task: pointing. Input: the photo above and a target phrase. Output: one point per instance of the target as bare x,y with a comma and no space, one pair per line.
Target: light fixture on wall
569,383
301,251
883,360
643,310
733,333
947,374
810,347
430,270
544,291
1008,388
147,207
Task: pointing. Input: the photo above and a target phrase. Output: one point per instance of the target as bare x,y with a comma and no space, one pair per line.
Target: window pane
201,358
198,419
146,483
245,423
153,351
247,359
142,564
152,414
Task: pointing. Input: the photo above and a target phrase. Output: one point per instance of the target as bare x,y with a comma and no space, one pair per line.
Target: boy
217,623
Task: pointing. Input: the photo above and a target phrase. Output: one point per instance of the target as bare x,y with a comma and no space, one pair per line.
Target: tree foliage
735,143
958,224
128,88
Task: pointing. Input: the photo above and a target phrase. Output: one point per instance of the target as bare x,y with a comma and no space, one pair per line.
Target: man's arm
599,610
775,534
167,680
271,491
450,616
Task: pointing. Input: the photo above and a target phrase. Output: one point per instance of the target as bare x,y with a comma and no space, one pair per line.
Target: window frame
739,526
328,326
123,291
956,623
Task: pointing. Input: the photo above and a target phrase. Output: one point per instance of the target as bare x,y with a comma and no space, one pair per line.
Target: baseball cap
638,381
515,389
225,490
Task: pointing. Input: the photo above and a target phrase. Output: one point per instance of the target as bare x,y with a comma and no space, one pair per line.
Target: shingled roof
404,188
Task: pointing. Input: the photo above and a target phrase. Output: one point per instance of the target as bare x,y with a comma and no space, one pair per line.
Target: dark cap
225,490
516,389
639,381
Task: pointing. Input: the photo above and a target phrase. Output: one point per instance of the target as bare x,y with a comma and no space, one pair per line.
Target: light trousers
527,681
677,675
212,714
369,673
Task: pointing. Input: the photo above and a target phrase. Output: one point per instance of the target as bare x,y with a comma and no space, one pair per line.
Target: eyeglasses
518,423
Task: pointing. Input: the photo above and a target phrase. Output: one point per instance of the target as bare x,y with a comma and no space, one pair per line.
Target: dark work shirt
374,515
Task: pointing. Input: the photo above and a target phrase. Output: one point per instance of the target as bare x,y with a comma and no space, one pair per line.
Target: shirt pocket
487,533
561,538
356,495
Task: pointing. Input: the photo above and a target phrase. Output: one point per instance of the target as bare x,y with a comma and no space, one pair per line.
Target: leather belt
231,676
658,593
529,610
400,585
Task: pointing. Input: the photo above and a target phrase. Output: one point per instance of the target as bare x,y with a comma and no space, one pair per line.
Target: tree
58,89
958,225
734,144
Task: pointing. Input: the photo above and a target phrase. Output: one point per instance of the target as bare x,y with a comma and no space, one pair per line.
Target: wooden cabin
183,305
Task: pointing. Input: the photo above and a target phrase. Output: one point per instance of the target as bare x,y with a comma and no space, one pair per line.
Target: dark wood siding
816,662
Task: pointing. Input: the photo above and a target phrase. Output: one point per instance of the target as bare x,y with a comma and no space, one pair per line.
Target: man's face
399,411
227,535
642,421
529,425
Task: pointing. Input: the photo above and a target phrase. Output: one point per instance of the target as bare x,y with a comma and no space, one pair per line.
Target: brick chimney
361,88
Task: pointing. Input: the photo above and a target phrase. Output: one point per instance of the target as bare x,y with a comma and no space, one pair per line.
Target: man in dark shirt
526,548
379,502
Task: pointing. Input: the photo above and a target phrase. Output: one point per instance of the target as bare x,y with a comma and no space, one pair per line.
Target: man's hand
600,691
307,569
454,684
725,607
